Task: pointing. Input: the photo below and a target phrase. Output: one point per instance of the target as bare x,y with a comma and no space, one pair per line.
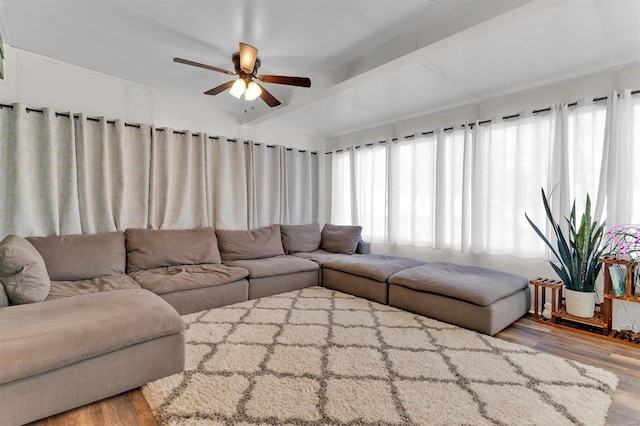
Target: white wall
541,97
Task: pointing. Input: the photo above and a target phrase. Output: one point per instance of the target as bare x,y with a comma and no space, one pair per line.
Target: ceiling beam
479,17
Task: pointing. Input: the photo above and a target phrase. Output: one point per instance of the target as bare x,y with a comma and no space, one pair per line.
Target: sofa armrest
363,248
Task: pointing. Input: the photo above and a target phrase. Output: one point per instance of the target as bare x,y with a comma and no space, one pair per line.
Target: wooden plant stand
601,322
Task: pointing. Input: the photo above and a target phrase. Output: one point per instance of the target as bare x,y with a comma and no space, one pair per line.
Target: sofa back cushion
340,239
82,257
155,248
256,244
22,271
300,238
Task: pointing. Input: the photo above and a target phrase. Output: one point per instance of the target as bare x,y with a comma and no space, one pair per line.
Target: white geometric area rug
321,357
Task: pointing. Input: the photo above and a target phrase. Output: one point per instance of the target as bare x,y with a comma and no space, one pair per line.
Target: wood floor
130,408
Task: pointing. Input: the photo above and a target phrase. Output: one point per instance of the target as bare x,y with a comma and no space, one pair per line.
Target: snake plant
576,253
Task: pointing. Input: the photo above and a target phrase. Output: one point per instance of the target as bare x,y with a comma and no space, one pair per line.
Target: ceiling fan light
253,91
238,88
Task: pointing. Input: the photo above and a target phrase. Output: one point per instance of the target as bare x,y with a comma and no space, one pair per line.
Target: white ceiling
371,62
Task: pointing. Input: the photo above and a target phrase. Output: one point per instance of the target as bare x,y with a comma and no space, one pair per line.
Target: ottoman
364,275
480,299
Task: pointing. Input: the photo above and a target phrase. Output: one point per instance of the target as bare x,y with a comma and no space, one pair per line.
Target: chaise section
65,353
364,275
278,274
477,298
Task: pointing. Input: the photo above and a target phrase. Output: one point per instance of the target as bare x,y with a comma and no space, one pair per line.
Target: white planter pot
580,304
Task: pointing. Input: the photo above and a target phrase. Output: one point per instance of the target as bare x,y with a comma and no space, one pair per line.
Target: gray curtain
113,174
227,193
38,180
65,175
264,184
178,196
300,187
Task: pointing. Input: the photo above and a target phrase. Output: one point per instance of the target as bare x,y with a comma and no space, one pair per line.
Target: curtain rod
62,114
137,126
471,125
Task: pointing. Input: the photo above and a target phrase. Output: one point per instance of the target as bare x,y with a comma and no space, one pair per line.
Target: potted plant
577,257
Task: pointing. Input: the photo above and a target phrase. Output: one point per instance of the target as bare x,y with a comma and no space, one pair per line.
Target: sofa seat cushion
40,337
274,266
377,267
319,256
83,256
60,289
175,278
480,286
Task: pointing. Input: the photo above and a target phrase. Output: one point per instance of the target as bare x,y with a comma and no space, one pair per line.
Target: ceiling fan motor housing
236,64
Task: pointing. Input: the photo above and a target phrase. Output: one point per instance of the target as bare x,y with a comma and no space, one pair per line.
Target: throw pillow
340,239
155,248
22,271
300,238
256,244
4,299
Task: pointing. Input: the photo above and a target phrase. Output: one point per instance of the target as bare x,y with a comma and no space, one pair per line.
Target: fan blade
268,97
220,88
248,55
198,64
282,79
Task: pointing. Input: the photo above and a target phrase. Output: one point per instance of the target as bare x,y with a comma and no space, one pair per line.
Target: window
469,189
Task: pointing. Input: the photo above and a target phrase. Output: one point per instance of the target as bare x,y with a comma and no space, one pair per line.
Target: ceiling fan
246,64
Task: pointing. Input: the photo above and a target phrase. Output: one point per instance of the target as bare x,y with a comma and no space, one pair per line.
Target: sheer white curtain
342,201
621,160
370,178
426,189
412,191
450,178
403,192
38,181
511,162
585,141
470,190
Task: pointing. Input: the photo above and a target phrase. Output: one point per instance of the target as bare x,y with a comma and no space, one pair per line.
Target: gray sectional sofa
110,320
